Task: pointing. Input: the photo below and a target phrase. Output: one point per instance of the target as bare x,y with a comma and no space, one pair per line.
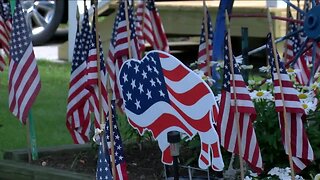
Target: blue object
312,23
220,29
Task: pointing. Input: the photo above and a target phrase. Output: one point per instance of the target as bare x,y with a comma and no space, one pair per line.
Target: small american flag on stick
203,56
293,46
151,26
123,40
227,121
290,107
24,78
5,27
121,165
78,108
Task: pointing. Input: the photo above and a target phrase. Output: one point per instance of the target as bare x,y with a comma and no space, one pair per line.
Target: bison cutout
161,94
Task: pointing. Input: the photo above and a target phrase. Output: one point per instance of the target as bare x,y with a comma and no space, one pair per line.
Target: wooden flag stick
113,161
287,135
234,94
128,28
102,119
205,18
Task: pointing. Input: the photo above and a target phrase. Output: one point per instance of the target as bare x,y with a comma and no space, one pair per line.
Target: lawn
48,112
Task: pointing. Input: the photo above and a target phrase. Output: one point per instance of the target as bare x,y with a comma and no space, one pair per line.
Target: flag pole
31,138
102,119
234,94
206,37
128,28
113,164
287,135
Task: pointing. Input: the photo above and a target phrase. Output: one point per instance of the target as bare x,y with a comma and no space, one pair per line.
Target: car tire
49,30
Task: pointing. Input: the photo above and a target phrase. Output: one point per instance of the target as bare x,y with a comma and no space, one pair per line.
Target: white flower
252,174
264,69
317,177
248,178
219,64
247,67
200,73
292,72
274,171
251,82
314,86
239,60
193,64
211,81
261,95
308,106
269,82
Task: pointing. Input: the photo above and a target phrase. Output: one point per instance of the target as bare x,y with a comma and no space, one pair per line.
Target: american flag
232,97
92,77
3,35
293,45
86,36
161,94
300,146
5,31
151,25
121,165
121,43
202,53
103,171
7,16
24,78
139,16
78,109
111,60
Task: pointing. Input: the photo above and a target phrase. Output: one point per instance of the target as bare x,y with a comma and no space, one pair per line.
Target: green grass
48,111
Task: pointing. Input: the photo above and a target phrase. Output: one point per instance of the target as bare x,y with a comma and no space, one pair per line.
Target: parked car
44,17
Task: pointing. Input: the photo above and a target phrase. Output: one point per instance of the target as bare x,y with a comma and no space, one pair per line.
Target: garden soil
142,163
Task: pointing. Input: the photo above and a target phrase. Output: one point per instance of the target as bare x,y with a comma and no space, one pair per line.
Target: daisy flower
265,68
261,95
245,67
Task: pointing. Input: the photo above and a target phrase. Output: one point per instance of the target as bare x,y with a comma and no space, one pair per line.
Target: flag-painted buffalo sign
161,94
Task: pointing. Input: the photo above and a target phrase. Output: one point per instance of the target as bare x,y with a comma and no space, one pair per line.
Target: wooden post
102,119
128,28
205,18
234,94
287,135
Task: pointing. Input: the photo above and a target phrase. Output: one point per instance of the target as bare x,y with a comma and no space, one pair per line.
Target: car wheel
43,17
